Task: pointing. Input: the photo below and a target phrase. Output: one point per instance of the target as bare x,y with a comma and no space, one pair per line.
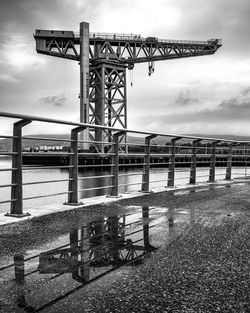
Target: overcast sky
205,95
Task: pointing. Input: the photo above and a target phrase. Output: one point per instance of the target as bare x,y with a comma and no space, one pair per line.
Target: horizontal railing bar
48,195
134,155
139,144
5,186
131,174
46,138
202,169
157,181
131,164
157,173
94,188
96,142
131,184
30,273
7,136
202,176
8,153
47,167
7,169
7,201
47,181
69,123
182,169
92,177
161,145
95,165
160,163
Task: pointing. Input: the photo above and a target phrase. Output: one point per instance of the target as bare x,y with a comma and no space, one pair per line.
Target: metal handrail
70,123
179,151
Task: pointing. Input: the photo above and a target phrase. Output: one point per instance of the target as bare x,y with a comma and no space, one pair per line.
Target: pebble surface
206,269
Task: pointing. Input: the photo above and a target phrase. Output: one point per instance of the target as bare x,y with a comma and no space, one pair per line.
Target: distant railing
198,159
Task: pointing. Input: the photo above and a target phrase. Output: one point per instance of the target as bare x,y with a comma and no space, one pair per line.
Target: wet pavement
161,252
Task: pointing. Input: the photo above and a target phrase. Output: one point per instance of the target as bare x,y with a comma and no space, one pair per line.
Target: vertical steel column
114,190
229,163
100,104
85,248
193,162
171,173
213,163
73,171
146,169
84,80
16,209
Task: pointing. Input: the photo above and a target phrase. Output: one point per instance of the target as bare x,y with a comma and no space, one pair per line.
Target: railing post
115,180
171,173
85,252
193,162
19,268
213,163
73,170
16,209
146,169
229,163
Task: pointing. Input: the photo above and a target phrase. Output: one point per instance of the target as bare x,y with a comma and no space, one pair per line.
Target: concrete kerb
56,208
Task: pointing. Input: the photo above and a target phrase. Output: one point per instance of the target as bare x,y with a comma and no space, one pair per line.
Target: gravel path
204,270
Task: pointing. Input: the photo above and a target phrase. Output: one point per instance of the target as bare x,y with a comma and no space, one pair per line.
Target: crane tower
103,60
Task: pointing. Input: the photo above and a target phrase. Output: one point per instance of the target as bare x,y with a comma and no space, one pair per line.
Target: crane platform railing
144,161
138,37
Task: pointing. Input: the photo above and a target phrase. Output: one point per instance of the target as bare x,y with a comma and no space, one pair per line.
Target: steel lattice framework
103,60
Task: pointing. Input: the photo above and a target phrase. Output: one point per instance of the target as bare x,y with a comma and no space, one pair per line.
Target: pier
155,205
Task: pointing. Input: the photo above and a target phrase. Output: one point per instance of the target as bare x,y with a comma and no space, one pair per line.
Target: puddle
57,265
36,277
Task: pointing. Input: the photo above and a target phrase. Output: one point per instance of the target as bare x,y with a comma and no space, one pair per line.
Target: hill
6,144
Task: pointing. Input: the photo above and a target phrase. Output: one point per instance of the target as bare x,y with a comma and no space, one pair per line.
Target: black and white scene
124,156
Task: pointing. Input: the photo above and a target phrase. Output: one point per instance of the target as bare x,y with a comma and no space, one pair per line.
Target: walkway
201,266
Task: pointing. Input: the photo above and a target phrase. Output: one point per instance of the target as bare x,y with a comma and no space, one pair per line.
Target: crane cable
131,75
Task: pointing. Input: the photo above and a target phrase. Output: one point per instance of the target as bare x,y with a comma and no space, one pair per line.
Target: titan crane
103,60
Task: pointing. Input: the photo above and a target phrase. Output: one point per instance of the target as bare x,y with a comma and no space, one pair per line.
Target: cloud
231,115
184,99
8,78
58,101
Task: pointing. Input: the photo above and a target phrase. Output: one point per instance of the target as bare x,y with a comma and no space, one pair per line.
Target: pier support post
146,170
171,173
229,163
213,163
193,162
73,170
16,209
115,180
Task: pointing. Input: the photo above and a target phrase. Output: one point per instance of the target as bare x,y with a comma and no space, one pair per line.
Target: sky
200,95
